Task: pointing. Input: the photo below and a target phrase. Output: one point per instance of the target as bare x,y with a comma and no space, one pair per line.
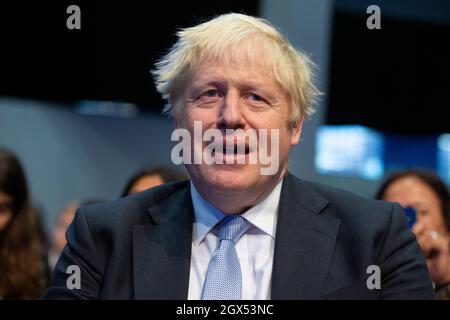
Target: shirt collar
263,215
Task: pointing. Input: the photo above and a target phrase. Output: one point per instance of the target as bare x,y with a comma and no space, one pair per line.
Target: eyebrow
249,85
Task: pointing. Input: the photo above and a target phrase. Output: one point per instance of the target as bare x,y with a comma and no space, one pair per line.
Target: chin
231,177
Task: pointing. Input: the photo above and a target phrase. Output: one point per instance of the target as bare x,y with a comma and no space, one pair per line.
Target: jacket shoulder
353,210
343,197
129,210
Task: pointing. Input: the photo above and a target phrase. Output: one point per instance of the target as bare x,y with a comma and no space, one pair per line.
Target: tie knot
232,228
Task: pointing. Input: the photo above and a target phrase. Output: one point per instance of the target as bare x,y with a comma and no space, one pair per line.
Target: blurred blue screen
349,150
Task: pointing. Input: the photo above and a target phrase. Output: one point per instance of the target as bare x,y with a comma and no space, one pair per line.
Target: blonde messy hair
235,37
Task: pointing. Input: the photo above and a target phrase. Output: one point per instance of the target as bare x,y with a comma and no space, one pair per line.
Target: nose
231,116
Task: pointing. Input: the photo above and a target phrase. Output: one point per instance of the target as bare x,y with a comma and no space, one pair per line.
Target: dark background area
110,58
396,79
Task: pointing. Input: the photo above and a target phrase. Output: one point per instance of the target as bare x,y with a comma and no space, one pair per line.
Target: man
235,231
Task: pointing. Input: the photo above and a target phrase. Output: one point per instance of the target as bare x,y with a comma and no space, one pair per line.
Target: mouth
233,148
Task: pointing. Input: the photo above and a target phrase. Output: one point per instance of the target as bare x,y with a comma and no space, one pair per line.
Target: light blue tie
224,279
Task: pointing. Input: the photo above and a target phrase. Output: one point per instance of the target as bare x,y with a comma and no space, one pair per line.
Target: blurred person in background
64,219
23,267
151,177
429,196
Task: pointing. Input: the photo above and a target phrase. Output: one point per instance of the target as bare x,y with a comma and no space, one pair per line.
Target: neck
237,202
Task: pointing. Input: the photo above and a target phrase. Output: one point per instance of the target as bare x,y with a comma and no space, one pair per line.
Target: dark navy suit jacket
139,247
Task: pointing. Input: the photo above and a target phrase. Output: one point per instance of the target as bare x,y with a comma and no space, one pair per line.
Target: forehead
254,57
237,73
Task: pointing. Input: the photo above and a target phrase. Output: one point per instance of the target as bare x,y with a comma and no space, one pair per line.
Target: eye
210,93
209,97
256,98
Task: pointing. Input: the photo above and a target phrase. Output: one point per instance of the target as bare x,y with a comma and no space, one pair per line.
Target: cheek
4,220
207,117
285,138
436,219
281,144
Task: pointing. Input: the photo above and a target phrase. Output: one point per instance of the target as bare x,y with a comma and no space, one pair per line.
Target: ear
296,131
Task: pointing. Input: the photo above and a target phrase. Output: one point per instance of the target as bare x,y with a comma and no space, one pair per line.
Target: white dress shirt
254,249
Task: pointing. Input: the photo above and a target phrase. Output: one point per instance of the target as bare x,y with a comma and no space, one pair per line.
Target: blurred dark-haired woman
151,177
428,196
23,271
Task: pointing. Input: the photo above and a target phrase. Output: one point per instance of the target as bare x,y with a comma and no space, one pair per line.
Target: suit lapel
304,246
304,242
162,249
